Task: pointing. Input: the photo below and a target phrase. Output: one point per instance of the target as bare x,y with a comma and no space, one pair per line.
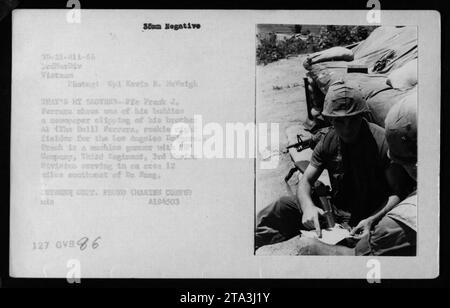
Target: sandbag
380,104
379,96
383,51
324,74
404,77
331,54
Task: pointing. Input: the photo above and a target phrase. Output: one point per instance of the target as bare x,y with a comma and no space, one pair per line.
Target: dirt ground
280,98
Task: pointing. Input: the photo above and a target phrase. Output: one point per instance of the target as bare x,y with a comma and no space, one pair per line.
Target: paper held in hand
330,236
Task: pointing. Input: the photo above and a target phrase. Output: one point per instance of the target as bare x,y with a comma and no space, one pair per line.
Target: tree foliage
331,36
270,48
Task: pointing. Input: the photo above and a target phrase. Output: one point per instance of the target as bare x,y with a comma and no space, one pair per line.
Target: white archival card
96,189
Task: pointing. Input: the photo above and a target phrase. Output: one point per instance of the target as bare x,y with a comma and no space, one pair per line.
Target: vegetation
331,36
271,49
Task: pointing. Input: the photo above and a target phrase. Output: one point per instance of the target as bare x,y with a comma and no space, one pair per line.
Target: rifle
324,193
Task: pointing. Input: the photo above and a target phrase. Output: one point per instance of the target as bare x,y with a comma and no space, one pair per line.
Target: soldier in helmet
401,134
354,152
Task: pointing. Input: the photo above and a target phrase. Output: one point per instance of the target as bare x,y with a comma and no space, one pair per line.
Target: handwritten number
95,244
83,243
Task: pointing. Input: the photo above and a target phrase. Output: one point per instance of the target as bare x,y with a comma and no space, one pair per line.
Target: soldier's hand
362,229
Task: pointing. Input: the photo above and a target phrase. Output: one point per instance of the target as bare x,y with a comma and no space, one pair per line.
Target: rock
293,247
303,246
